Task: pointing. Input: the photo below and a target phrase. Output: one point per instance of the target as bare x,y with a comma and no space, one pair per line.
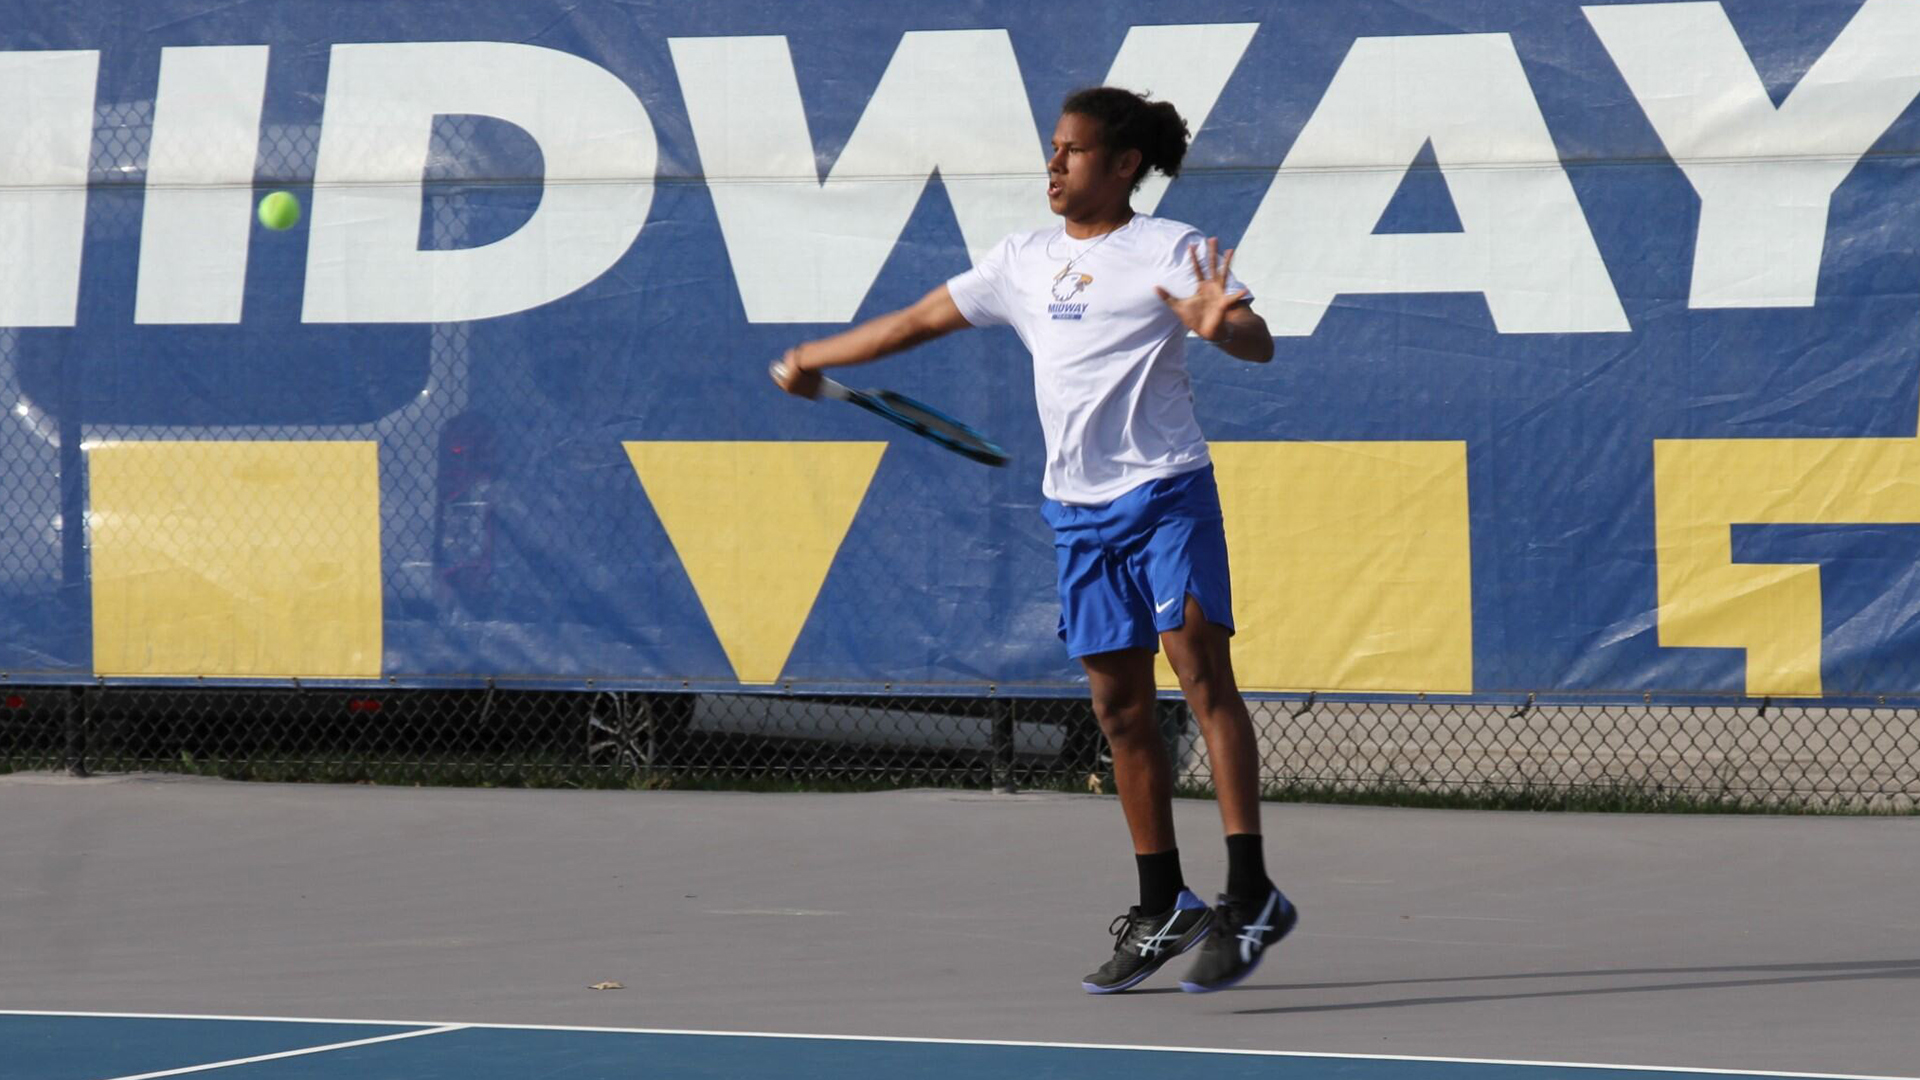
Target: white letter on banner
804,250
1187,65
199,203
1524,243
46,135
363,257
1765,176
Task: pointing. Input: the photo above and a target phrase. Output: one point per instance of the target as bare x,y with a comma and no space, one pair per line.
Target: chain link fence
1629,757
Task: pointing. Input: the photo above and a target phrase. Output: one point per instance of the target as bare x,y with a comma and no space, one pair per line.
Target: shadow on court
1845,971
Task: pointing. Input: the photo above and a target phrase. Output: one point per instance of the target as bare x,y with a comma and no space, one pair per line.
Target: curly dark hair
1129,121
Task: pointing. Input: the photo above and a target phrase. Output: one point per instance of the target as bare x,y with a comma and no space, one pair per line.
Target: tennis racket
921,419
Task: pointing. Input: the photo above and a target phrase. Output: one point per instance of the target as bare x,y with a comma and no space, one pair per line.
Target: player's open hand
788,375
1205,312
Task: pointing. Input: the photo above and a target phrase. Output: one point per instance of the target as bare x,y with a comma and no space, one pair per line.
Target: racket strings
935,422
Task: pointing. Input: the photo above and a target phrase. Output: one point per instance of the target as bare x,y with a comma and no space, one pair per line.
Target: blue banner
1595,340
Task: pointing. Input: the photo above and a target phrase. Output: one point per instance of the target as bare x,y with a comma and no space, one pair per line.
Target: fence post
1001,710
74,752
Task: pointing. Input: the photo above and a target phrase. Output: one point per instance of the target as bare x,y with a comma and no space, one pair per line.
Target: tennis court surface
160,926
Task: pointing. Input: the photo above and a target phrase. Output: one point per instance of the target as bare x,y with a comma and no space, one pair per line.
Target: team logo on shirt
1068,284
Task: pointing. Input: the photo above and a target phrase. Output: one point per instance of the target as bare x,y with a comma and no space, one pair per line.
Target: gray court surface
1762,943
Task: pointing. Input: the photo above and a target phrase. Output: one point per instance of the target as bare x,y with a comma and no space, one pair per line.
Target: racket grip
778,369
828,388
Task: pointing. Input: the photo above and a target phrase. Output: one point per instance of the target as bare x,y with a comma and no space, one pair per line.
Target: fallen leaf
607,986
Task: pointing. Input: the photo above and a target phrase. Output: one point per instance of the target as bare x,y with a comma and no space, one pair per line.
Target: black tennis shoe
1242,933
1142,943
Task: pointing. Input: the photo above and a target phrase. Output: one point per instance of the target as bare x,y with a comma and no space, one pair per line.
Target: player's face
1082,177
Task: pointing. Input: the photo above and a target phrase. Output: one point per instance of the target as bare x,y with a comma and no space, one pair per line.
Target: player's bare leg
1199,653
1253,915
1169,919
1123,702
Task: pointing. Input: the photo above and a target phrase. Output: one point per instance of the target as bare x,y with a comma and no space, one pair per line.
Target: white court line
948,1042
443,1029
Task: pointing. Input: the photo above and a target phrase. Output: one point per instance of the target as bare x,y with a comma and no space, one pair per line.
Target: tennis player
1104,301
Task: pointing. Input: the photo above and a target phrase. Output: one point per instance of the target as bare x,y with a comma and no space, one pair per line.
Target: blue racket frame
970,443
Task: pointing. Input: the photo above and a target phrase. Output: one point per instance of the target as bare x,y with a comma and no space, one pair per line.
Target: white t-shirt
1109,358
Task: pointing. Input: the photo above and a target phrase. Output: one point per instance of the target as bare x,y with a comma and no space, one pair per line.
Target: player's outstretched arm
932,316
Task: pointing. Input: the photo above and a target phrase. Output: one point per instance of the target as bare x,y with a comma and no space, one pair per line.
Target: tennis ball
279,210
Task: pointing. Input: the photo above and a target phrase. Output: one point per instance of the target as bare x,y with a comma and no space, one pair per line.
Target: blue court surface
98,1046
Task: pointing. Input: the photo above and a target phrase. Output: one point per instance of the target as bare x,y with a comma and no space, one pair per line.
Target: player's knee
1198,672
1124,721
1210,690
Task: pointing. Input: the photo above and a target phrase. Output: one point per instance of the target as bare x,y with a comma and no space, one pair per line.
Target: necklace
1072,262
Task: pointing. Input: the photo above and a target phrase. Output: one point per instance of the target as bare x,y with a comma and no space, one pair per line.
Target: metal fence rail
1750,756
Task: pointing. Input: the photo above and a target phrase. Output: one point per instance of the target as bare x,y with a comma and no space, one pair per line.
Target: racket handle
828,388
778,370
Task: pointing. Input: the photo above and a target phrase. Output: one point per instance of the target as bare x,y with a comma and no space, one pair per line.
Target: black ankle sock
1160,880
1246,867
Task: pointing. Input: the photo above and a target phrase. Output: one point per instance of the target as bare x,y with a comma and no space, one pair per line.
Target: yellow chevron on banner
757,525
249,559
1703,487
1351,565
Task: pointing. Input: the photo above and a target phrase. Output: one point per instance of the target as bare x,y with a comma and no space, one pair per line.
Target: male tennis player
1104,301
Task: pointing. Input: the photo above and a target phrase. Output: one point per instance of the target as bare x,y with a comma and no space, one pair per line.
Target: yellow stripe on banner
1703,487
1351,565
756,525
250,559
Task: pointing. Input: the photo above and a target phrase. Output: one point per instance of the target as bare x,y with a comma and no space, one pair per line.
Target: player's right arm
933,315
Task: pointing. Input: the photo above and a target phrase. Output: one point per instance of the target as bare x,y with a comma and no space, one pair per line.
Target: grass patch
1608,799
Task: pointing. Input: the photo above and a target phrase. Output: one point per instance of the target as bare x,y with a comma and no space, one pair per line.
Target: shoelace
1228,921
1223,917
1122,926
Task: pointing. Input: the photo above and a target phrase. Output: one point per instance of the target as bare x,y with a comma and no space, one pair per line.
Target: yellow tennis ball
279,210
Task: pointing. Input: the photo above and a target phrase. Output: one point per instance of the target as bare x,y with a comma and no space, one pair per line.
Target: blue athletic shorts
1127,566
